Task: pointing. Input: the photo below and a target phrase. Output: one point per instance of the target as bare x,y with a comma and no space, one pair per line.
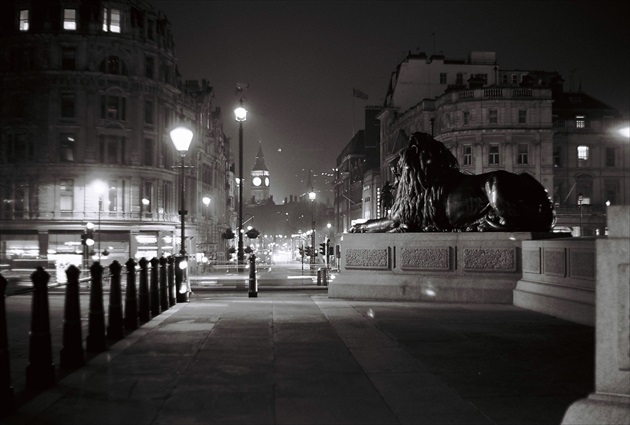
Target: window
113,65
148,152
70,19
504,79
611,188
459,79
580,122
66,195
514,79
66,148
493,157
148,112
522,116
523,154
583,153
610,157
584,187
147,193
557,157
149,67
111,20
467,154
23,25
113,107
466,118
442,77
68,58
112,200
67,106
112,149
150,29
493,116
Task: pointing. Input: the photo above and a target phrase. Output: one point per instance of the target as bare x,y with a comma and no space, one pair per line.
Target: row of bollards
153,296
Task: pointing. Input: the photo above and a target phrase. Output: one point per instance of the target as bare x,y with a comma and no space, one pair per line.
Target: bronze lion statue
432,195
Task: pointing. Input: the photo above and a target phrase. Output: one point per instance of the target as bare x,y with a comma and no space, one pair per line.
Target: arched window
113,65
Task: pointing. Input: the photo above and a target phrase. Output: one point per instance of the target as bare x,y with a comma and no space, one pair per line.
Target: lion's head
434,159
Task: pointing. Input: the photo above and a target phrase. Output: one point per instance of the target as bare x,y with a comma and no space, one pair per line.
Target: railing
495,93
160,287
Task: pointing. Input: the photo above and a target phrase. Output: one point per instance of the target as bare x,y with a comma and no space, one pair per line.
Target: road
18,306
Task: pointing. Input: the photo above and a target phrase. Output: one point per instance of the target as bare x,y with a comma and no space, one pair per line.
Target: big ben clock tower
260,178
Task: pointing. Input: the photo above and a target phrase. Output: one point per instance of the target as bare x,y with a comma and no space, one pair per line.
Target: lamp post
181,137
99,187
241,116
311,197
580,199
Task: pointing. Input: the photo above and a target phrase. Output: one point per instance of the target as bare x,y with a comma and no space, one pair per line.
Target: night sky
302,59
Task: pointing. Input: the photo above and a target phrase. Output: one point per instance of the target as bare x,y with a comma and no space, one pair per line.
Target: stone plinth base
559,279
599,409
438,267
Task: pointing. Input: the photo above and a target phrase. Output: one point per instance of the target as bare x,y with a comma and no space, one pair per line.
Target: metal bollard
319,277
171,281
325,272
253,285
7,396
163,285
131,297
40,371
144,314
155,288
96,341
115,325
72,354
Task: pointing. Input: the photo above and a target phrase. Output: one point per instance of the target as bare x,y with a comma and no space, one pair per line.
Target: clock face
256,181
266,181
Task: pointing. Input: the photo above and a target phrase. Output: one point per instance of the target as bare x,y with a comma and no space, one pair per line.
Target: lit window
70,19
23,20
111,20
493,157
580,122
583,153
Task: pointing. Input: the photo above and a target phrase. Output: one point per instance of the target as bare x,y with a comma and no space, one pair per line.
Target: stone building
89,92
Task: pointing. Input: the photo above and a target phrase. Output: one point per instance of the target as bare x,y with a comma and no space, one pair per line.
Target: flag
359,94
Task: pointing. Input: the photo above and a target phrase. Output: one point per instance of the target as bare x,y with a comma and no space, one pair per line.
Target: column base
599,409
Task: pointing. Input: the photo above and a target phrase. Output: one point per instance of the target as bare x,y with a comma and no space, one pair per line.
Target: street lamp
182,137
311,197
241,116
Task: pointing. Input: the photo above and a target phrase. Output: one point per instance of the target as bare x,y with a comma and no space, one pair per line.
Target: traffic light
87,238
330,249
308,251
301,251
322,248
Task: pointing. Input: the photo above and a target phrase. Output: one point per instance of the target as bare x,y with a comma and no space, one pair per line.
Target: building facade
518,121
89,92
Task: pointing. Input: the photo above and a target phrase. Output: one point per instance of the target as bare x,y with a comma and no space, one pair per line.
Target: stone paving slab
302,358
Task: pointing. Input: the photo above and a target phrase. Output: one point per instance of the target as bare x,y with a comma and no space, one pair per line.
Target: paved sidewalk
298,358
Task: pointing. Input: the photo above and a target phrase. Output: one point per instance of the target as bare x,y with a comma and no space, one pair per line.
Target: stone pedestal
610,403
440,267
559,279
